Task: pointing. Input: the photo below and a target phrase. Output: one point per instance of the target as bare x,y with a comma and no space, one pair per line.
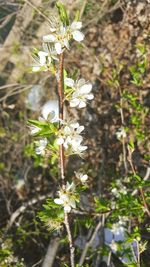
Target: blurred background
113,29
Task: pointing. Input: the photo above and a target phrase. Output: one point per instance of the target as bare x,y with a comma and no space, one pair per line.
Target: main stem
62,154
61,112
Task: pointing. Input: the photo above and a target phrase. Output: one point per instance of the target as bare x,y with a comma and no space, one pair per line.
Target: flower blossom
41,145
60,35
121,133
82,177
70,137
43,59
67,197
81,92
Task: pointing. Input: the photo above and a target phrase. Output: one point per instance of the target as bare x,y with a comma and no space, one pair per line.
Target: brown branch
62,155
71,245
61,111
90,241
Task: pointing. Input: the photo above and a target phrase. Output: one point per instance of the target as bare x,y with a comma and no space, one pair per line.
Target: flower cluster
82,177
41,146
76,92
67,197
120,189
60,36
44,59
69,136
121,133
81,92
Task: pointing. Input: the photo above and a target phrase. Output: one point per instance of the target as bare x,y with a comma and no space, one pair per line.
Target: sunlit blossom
82,177
70,137
43,59
41,145
81,92
121,133
60,35
67,197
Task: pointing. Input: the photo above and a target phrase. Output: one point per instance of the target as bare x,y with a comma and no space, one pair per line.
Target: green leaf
62,13
37,123
52,215
100,205
77,15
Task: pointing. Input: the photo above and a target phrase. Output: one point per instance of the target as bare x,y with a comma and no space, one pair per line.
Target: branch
62,155
89,243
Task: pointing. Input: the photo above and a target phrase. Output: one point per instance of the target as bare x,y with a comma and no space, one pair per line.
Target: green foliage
52,215
101,205
46,128
62,13
7,257
138,70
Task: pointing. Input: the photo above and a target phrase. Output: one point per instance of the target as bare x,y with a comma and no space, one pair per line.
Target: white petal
82,104
62,30
74,102
43,142
70,187
84,178
52,29
80,129
58,201
34,129
42,55
80,82
82,148
35,68
76,25
90,96
58,48
69,82
38,150
78,36
60,141
67,208
51,106
73,203
49,38
74,125
86,88
66,43
67,130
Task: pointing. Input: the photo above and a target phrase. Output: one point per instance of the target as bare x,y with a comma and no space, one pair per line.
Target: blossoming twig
62,156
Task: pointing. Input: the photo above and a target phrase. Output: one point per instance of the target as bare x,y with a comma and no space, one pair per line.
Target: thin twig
89,243
71,245
61,111
38,11
123,140
51,253
62,155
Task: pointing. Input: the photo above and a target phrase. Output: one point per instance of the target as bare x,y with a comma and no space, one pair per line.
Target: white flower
113,245
74,29
81,92
121,133
41,145
50,110
60,36
77,148
82,177
67,197
43,59
70,137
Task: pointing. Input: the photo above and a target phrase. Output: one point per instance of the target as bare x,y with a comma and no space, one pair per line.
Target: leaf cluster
52,215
